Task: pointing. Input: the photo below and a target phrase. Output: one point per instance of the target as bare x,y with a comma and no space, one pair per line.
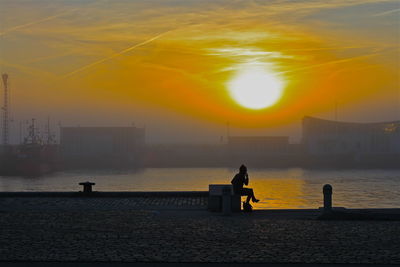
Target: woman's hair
243,168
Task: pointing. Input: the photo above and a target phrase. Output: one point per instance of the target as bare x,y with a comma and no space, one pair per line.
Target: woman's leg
248,198
250,194
253,197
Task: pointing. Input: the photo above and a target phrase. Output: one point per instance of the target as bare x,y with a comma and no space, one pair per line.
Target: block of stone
216,189
215,198
236,203
214,203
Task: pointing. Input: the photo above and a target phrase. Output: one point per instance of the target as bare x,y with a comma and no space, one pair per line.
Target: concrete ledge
108,194
361,214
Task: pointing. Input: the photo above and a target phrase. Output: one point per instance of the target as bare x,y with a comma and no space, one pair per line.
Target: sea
276,188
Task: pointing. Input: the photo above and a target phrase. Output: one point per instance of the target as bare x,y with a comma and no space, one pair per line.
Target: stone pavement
100,203
176,264
181,230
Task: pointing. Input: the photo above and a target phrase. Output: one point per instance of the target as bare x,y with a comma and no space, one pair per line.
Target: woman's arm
246,179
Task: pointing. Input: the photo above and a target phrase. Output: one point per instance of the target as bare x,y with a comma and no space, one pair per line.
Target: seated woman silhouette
240,179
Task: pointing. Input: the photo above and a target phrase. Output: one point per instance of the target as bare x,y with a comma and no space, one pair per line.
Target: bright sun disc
256,88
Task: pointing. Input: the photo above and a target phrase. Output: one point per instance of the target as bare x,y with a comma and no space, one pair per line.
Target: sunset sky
171,65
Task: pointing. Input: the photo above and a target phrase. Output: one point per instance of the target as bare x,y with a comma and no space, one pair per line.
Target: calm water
276,188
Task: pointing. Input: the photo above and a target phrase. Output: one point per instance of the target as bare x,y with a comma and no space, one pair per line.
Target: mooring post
327,190
226,200
87,187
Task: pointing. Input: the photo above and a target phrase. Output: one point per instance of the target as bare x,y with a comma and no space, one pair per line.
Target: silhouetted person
241,179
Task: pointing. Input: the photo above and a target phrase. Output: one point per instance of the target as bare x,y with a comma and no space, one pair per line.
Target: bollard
327,190
226,201
87,187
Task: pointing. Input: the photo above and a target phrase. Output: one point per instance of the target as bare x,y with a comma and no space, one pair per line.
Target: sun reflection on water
279,193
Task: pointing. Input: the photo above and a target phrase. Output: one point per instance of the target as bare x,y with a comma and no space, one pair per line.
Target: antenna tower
33,137
50,136
5,110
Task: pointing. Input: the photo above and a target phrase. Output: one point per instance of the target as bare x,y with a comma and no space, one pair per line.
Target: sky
169,65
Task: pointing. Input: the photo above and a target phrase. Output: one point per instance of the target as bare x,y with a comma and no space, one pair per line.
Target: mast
49,141
228,134
31,138
6,120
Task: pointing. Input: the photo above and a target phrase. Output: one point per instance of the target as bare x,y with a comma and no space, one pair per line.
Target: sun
256,88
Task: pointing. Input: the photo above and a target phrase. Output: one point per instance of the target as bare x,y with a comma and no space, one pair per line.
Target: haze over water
276,188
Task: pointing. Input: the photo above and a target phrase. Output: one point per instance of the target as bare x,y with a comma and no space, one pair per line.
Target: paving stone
127,230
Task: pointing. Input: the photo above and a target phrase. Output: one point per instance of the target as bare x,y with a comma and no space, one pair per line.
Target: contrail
325,48
331,63
386,12
34,22
115,55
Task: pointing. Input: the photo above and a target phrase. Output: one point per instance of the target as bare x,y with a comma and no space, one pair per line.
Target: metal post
5,110
226,200
327,190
